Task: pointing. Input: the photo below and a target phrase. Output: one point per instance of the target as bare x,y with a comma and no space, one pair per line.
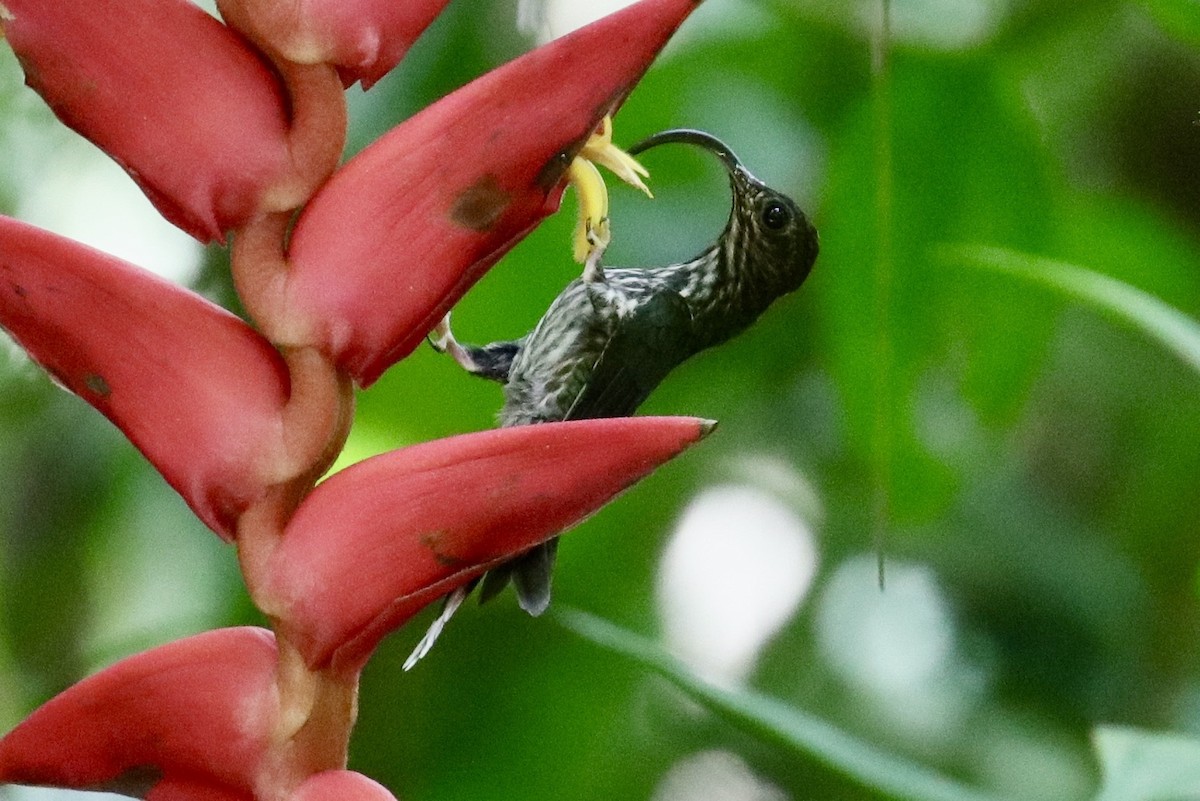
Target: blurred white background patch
67,186
899,646
715,776
550,19
15,792
740,561
78,192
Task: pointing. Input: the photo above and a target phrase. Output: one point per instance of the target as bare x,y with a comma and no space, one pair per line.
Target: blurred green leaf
774,722
966,164
1179,17
1146,766
1171,328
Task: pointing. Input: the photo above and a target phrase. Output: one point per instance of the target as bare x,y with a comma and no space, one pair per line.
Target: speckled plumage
555,363
661,315
604,345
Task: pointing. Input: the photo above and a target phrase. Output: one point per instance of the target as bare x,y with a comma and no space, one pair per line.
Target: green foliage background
1038,448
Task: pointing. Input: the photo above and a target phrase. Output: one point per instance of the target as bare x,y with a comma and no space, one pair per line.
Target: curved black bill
690,136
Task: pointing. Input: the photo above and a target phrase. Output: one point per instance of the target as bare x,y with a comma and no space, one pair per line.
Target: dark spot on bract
481,205
97,385
136,782
433,541
554,169
16,288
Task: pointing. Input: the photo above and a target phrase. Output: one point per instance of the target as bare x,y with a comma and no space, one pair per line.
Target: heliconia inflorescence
233,128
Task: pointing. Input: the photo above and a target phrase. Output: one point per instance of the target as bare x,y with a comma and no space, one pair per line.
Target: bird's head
766,229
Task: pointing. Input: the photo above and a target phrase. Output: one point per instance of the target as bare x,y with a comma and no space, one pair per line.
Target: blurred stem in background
881,461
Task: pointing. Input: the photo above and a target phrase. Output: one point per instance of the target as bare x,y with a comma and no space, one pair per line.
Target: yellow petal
592,197
601,150
592,231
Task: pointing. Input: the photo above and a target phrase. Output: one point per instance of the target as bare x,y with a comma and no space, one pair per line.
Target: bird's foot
592,229
441,338
598,238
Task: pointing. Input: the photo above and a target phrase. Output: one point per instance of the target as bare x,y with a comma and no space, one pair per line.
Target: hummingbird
613,334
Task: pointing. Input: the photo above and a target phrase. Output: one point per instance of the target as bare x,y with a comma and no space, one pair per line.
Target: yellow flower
592,231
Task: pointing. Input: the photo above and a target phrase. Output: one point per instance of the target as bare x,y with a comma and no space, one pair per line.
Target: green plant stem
772,721
881,439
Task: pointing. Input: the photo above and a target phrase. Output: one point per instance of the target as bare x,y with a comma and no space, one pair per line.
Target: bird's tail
449,607
530,574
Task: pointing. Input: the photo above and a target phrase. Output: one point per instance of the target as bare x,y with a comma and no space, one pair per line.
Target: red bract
191,385
176,98
177,789
362,38
401,232
341,785
403,528
194,716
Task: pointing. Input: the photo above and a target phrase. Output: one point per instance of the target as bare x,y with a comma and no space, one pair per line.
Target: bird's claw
441,339
441,336
592,232
598,238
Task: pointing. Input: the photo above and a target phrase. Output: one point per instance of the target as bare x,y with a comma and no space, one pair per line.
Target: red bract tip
364,39
407,527
191,385
341,785
176,98
398,234
193,717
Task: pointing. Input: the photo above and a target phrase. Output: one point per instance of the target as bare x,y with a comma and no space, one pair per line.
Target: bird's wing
643,347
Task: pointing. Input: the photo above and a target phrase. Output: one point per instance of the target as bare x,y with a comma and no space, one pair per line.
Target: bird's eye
775,215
